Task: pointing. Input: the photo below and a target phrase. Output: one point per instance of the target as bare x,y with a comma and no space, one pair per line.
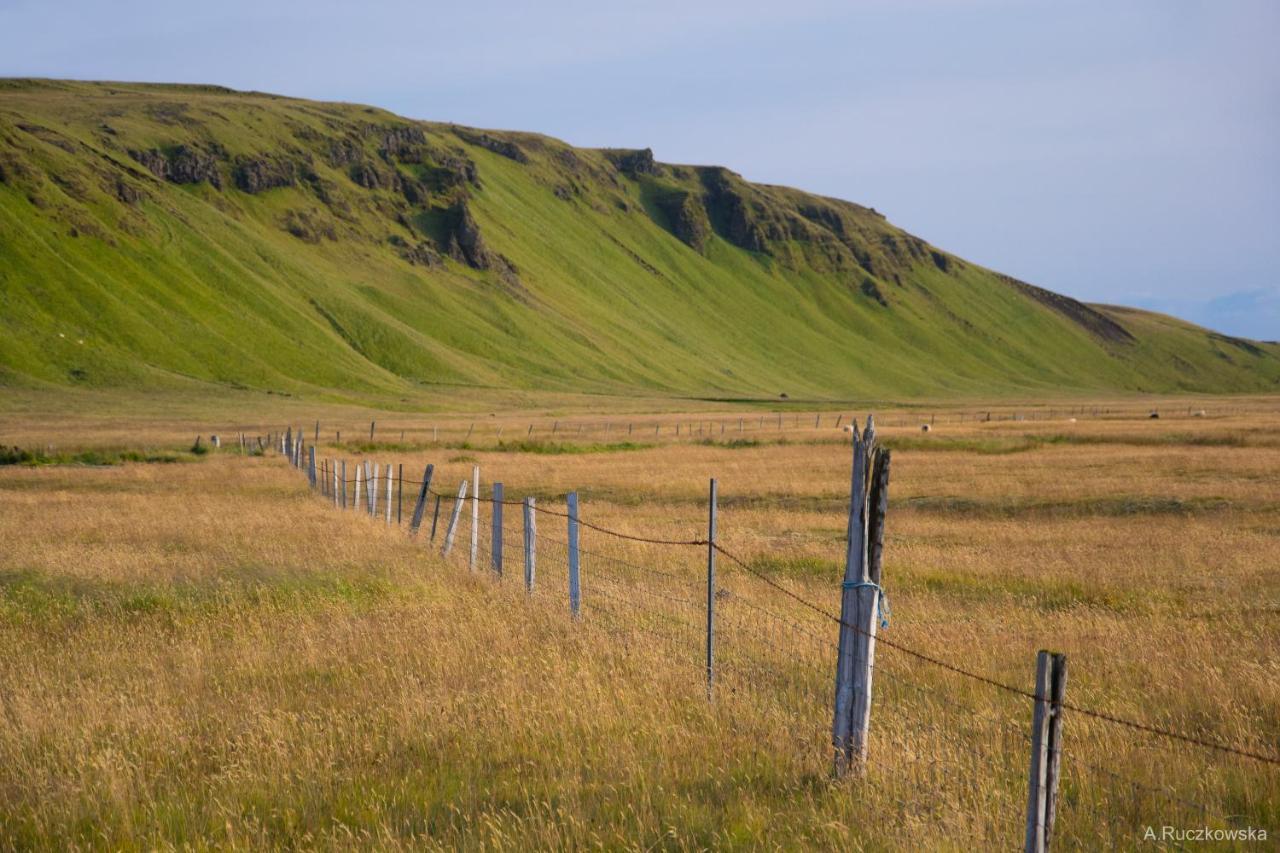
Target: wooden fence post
343,493
390,490
435,518
475,516
1057,694
416,521
372,424
530,543
311,465
453,520
335,485
495,550
371,486
1037,787
355,501
575,589
711,588
399,493
858,608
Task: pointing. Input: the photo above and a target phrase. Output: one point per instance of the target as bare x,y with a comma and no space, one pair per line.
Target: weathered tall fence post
530,543
711,589
355,497
1036,785
336,497
399,493
372,487
1046,750
343,493
495,550
860,601
421,504
311,465
475,516
575,588
453,520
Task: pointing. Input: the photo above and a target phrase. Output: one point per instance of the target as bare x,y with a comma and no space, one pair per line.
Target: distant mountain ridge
189,236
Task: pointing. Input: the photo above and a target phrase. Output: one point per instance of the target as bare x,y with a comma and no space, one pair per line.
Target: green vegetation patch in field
22,456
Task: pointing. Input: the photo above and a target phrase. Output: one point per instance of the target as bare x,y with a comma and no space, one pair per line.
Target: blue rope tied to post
882,602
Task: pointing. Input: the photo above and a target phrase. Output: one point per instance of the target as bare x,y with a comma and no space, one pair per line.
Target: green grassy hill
195,237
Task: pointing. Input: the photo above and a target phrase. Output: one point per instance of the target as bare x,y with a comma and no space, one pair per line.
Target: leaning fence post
1057,694
453,520
1037,789
711,589
435,518
530,543
495,551
311,468
575,589
475,515
421,504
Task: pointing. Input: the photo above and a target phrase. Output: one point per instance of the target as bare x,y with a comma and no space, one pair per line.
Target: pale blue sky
1116,151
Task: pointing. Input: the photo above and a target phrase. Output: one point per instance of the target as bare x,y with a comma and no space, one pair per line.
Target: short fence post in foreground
416,521
475,515
530,543
453,520
575,589
711,589
495,551
1046,729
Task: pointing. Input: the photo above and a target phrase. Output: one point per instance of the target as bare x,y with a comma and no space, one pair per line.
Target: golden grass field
207,654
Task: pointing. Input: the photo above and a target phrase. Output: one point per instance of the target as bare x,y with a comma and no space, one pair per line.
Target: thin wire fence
949,744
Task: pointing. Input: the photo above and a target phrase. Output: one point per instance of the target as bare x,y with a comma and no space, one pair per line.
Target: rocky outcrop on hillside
733,216
633,162
688,219
182,164
504,147
266,171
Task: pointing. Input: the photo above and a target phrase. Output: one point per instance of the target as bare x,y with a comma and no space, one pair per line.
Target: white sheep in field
847,428
925,428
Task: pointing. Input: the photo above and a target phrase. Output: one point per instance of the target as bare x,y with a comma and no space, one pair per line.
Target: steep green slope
175,236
